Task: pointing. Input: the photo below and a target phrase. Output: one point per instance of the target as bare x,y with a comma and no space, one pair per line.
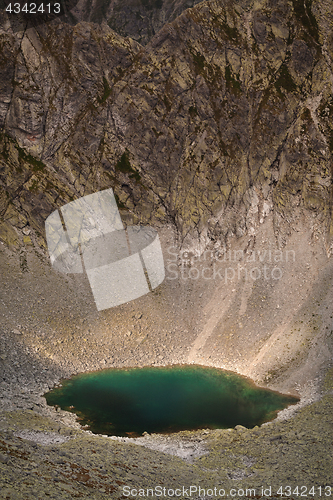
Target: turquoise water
128,402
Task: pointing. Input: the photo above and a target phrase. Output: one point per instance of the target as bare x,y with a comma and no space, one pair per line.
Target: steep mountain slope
225,114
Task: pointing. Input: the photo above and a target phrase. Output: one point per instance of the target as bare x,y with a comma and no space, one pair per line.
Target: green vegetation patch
34,185
233,84
124,166
284,81
106,91
193,112
37,165
232,33
167,103
306,118
120,204
199,62
303,12
223,148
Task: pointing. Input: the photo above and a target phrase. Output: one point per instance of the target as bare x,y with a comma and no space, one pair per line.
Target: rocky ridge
139,20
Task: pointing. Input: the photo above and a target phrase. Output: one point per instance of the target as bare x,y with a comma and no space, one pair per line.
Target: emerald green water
127,402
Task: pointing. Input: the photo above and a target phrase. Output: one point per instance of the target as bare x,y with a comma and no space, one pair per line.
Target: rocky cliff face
224,117
138,19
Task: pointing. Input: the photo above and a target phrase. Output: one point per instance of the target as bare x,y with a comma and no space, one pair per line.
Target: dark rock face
138,19
224,117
